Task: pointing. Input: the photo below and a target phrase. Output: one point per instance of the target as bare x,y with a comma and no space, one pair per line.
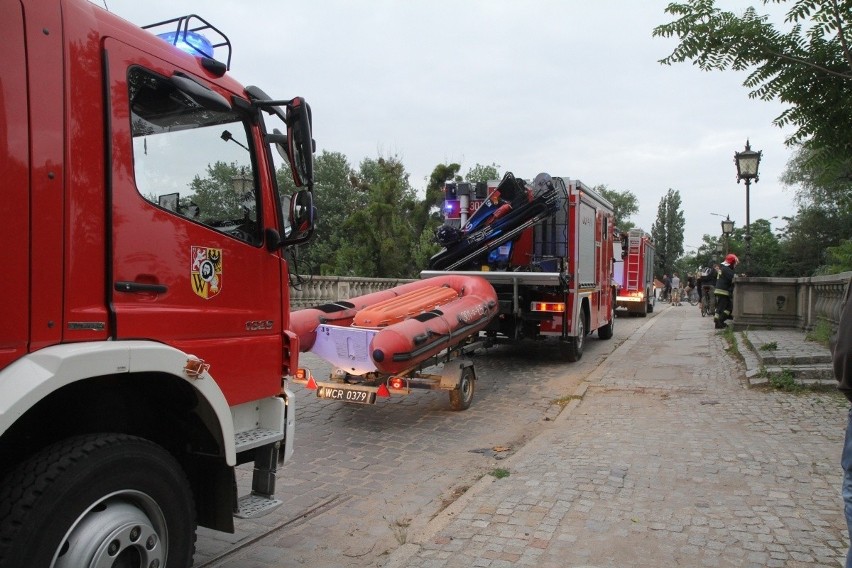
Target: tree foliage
380,236
808,67
667,232
334,198
625,203
823,221
479,172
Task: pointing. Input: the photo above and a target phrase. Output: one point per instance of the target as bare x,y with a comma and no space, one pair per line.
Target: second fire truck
634,272
545,246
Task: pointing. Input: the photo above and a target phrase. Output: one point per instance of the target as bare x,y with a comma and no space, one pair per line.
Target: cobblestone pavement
365,478
666,458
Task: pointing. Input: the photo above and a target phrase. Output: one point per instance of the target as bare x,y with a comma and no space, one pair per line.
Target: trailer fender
32,378
452,372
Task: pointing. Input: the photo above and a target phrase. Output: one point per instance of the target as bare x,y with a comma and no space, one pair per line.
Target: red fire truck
546,247
634,272
145,335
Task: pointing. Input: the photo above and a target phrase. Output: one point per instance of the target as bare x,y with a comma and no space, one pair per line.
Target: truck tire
461,397
606,331
650,303
576,344
97,500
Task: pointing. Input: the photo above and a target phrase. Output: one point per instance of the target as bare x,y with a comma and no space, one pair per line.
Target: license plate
347,395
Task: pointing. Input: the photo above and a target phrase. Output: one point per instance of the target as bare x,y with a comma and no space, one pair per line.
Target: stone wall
789,302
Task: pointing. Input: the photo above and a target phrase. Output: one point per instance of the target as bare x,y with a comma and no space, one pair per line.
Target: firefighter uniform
724,291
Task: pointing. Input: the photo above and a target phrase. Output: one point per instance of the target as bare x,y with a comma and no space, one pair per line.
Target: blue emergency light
190,42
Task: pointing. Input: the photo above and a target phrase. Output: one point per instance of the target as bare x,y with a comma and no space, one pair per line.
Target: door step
256,438
252,506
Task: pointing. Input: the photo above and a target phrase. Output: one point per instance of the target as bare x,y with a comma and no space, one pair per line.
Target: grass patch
730,337
499,473
821,333
771,346
785,381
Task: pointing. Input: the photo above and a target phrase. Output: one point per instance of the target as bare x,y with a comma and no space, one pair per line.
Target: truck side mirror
300,144
300,218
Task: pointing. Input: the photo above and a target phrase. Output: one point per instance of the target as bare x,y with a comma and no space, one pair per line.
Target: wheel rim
581,332
126,529
466,388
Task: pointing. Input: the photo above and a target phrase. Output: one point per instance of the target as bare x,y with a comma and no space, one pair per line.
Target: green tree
380,235
667,232
483,173
808,68
334,199
624,203
766,256
823,219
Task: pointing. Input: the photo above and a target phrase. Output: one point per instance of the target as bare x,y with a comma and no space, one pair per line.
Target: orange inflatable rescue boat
393,331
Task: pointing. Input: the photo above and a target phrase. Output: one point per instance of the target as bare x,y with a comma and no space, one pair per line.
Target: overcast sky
572,88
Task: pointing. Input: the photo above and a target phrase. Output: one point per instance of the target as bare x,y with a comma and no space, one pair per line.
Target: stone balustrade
315,290
789,302
758,302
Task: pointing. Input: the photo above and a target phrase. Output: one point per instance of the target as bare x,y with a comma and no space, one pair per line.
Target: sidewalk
665,458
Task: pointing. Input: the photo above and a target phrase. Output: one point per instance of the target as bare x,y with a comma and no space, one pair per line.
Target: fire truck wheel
97,500
606,331
461,397
575,344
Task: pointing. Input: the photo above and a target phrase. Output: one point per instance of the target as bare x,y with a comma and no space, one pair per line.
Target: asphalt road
365,477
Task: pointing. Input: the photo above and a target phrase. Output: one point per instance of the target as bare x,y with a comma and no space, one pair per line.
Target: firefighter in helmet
724,291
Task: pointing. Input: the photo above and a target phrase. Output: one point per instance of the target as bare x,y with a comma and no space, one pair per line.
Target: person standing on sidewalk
675,289
724,291
842,359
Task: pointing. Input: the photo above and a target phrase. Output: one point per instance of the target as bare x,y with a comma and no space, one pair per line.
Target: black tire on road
461,397
606,331
575,344
97,500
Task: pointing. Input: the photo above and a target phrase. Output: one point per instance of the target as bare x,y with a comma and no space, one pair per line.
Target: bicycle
693,296
708,301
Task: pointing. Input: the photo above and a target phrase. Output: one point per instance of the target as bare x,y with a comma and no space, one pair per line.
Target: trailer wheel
97,500
576,344
461,397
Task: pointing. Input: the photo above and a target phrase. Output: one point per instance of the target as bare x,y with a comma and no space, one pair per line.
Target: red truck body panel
83,224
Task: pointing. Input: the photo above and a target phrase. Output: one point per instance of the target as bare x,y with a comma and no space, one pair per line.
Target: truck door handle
137,287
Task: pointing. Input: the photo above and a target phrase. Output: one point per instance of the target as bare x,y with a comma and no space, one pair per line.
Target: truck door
187,216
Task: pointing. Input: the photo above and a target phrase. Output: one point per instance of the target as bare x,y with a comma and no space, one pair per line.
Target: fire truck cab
145,339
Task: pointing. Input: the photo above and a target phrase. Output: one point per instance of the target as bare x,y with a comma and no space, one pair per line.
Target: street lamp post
727,230
748,162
